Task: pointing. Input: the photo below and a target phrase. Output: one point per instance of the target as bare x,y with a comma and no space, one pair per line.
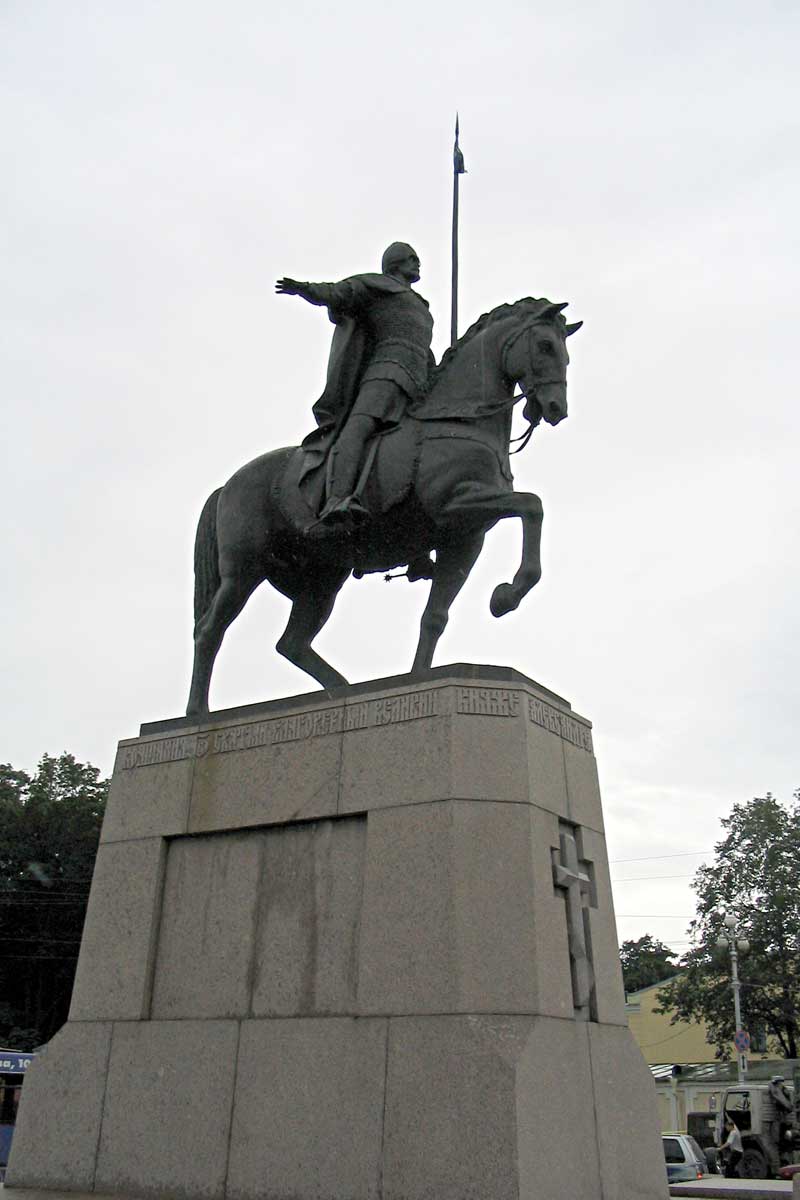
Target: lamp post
736,946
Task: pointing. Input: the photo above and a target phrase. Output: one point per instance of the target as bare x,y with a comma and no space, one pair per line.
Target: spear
458,169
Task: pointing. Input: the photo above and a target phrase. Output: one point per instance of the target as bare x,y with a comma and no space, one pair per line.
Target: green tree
645,961
754,877
49,830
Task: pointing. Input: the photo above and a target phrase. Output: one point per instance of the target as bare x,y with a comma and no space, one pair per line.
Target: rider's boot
341,511
344,510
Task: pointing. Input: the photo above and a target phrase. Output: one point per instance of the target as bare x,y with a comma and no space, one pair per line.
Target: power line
54,890
653,857
650,878
38,957
41,940
671,1038
18,879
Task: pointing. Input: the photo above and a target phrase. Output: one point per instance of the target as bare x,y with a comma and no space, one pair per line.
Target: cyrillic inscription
558,722
487,702
306,725
298,727
152,753
405,708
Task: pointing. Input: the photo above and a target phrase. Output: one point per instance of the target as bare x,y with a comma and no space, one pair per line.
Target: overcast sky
165,161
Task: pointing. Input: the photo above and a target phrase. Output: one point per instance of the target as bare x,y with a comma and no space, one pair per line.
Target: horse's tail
206,558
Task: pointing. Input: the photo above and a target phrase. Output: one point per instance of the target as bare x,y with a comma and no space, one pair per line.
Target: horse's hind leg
310,611
229,599
453,565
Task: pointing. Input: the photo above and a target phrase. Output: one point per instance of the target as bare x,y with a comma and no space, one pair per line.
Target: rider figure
380,361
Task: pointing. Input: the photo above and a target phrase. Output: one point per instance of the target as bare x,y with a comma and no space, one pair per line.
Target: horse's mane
528,305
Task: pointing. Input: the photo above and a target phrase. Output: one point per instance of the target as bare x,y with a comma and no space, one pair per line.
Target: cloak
351,351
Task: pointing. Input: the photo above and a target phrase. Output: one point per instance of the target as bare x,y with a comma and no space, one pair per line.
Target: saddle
387,474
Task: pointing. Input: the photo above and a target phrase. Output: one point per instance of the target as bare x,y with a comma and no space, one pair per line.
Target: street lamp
736,946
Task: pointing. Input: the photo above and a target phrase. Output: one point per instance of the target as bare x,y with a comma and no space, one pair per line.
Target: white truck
766,1115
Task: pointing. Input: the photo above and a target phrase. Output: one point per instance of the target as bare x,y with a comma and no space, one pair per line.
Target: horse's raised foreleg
507,596
310,611
453,565
484,507
229,599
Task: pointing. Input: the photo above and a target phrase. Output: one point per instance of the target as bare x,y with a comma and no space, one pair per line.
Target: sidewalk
733,1189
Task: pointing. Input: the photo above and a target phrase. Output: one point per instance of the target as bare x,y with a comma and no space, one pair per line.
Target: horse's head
535,357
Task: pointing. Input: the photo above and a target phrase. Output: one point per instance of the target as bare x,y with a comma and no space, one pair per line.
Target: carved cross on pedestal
574,876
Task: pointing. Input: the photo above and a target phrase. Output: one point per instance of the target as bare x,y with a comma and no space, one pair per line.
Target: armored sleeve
342,299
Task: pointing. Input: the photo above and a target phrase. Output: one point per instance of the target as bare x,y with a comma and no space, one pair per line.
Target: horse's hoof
504,600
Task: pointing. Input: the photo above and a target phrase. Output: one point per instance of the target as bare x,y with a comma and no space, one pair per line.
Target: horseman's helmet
394,254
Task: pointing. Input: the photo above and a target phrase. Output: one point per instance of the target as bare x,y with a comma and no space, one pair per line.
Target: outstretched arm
290,287
338,296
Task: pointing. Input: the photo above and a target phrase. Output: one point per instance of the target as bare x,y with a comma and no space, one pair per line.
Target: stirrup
340,513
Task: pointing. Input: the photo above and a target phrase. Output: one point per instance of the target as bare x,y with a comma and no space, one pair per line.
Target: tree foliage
645,961
49,830
755,878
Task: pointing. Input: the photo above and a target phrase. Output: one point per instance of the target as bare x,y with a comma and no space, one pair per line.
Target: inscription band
560,723
300,726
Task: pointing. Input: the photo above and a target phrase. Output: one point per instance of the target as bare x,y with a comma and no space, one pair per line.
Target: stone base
46,1194
327,955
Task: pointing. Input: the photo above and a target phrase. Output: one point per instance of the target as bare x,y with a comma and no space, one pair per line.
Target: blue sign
741,1040
12,1063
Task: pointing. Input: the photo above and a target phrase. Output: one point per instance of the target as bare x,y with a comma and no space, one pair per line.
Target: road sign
743,1063
741,1040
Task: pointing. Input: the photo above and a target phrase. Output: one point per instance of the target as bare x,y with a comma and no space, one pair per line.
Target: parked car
684,1158
789,1172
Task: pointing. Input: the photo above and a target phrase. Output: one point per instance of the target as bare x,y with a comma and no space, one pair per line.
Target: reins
525,437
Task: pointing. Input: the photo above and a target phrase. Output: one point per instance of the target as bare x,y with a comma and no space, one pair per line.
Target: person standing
732,1150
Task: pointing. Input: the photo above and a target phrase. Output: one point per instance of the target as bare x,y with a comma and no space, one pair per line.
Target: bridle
528,328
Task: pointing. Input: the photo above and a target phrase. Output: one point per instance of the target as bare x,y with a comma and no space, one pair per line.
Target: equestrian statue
408,459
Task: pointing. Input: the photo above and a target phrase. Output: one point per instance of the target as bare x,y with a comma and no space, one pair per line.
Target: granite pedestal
357,945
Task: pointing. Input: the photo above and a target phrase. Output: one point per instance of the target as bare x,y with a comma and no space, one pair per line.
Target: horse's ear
573,328
550,310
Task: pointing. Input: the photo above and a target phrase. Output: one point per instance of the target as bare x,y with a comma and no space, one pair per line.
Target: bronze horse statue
438,483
